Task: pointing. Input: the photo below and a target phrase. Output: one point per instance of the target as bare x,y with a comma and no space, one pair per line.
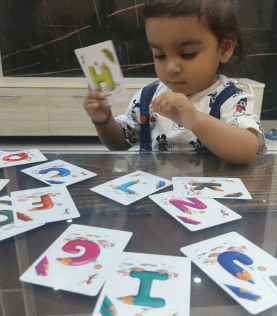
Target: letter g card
79,260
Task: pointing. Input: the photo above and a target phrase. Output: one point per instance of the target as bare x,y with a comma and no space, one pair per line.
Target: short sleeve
238,111
130,120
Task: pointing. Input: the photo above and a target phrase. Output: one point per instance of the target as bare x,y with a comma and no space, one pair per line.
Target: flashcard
146,284
212,188
239,267
43,205
79,260
102,70
8,159
7,227
59,172
131,187
3,183
194,213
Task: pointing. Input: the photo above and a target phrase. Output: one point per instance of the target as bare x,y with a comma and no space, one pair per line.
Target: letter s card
79,260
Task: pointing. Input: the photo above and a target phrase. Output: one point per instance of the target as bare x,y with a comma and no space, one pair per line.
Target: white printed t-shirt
167,135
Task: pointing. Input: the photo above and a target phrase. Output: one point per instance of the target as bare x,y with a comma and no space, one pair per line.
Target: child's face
192,65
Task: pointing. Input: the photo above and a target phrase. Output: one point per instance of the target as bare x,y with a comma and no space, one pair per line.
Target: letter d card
79,260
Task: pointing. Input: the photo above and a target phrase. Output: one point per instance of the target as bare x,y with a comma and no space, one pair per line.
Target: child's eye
188,56
159,56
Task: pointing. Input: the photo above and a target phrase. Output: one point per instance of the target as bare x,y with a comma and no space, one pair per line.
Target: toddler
190,106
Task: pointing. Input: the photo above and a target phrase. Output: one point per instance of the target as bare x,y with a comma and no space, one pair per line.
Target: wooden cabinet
23,111
55,106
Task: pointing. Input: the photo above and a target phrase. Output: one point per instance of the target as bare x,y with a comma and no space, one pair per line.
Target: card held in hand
79,260
102,70
239,267
147,284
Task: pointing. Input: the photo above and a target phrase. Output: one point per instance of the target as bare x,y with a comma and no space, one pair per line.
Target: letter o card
146,284
79,260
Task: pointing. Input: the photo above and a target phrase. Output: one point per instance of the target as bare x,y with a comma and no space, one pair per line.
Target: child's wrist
104,121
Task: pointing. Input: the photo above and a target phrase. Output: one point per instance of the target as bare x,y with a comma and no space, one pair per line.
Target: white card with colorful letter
132,187
79,260
43,205
102,70
239,267
194,213
211,188
8,159
146,284
59,172
7,227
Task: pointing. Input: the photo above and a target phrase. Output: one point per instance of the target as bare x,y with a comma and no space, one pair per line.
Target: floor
84,143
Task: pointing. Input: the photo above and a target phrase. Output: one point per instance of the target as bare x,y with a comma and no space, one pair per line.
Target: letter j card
146,284
240,268
79,260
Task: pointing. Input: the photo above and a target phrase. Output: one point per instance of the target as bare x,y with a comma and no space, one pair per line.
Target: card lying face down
146,284
43,205
194,213
211,188
7,227
79,260
132,187
8,159
239,267
102,70
59,172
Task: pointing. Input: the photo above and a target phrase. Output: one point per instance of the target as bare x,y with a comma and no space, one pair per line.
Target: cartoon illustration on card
79,260
132,187
205,187
20,157
146,284
102,70
59,172
7,226
43,205
195,213
239,267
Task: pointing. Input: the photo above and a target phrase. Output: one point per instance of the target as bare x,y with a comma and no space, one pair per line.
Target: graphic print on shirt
197,145
241,108
162,143
235,122
176,127
154,119
130,135
212,96
133,115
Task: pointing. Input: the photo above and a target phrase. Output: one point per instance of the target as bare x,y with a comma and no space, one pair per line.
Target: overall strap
145,100
223,96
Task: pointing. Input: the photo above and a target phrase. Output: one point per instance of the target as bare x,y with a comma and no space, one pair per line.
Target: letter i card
239,267
195,213
102,70
79,260
146,284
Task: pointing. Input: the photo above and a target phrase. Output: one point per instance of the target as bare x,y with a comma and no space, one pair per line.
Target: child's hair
221,17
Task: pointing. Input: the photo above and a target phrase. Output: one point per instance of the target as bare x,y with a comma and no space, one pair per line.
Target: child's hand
96,106
175,106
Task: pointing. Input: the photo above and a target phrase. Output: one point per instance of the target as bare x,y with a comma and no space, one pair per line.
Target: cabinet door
23,112
67,115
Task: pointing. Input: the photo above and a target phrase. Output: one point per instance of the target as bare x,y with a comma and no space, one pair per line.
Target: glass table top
154,230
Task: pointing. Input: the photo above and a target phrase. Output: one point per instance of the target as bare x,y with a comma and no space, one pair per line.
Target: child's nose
173,66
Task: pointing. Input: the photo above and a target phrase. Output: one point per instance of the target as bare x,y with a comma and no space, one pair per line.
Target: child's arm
109,131
232,143
235,144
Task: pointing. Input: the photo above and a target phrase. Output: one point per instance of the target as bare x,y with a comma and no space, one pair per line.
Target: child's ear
227,49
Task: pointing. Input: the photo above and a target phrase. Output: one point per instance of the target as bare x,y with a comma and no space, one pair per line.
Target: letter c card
79,260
